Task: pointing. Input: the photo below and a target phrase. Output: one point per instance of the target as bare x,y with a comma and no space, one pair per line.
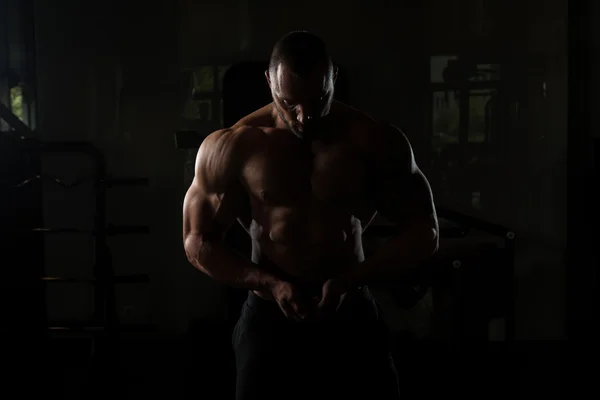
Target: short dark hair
301,52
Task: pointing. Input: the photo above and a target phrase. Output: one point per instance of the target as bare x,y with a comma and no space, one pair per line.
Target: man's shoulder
232,142
261,118
223,153
368,132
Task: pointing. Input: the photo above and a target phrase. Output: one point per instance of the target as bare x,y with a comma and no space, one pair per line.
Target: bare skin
304,176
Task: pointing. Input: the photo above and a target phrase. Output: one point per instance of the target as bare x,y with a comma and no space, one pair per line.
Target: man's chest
334,175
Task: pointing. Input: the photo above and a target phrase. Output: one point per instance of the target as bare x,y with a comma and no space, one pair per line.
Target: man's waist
307,274
308,292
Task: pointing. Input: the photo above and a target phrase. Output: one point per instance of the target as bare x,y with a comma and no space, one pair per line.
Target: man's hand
334,292
290,300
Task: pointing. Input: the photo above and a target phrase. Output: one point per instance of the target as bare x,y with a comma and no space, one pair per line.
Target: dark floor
201,363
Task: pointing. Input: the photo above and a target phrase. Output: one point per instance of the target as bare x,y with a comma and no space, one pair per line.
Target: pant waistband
360,290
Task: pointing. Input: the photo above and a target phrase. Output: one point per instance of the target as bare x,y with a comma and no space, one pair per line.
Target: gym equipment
21,235
105,313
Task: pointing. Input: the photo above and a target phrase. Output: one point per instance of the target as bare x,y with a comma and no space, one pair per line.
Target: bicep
209,214
403,192
216,197
409,195
199,210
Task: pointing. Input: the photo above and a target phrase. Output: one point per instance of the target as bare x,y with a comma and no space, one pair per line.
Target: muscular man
305,175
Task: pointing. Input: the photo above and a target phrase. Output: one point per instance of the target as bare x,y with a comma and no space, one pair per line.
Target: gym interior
104,105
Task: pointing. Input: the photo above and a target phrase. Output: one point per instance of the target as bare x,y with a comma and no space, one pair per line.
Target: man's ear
268,76
335,73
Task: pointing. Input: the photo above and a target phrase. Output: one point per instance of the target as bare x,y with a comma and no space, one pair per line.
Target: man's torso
307,198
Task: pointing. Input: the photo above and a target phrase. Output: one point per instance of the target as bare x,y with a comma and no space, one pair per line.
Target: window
438,65
204,80
463,100
203,110
446,116
481,105
205,105
16,102
486,72
464,114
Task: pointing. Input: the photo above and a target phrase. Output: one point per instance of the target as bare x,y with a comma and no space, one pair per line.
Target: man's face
302,102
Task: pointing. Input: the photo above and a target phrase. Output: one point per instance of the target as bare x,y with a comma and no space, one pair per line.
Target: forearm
396,258
225,265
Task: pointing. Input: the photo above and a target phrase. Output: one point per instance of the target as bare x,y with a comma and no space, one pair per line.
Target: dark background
125,76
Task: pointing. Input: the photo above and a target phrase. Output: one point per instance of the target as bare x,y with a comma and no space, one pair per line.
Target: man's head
301,77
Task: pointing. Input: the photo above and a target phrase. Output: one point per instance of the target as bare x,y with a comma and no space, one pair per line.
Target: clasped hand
297,307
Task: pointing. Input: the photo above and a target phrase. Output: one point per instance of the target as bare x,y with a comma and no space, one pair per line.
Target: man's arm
212,204
402,195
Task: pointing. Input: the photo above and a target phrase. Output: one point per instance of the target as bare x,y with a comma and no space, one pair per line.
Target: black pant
347,355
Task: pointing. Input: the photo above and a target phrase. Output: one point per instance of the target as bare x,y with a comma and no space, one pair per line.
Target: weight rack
104,324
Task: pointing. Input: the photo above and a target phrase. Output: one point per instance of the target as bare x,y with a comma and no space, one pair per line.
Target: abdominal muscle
308,260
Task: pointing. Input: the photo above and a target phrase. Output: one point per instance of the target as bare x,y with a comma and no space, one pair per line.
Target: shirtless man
305,175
